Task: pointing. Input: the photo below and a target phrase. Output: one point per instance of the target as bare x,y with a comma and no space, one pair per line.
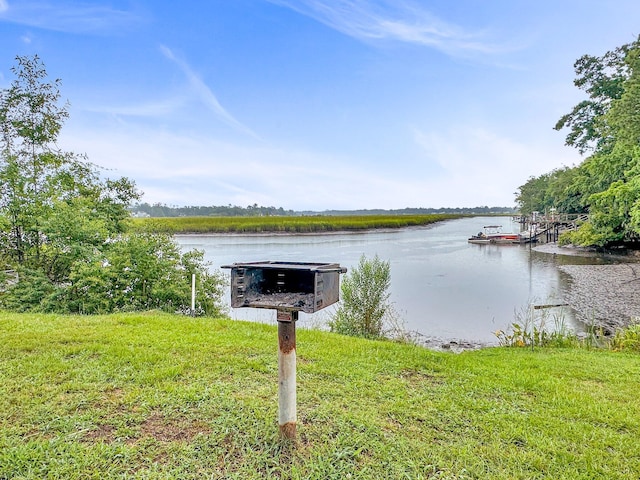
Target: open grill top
293,286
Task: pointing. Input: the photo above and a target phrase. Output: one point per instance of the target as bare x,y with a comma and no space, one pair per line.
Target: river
441,286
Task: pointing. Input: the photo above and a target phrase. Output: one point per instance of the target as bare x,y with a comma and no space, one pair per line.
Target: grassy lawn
161,396
307,224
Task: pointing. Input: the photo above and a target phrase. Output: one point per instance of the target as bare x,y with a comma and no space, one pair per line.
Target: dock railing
547,227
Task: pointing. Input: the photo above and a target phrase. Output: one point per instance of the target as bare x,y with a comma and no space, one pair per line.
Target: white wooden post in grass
193,295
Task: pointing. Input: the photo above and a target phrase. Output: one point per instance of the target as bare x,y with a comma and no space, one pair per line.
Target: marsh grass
538,328
544,328
627,338
160,396
301,224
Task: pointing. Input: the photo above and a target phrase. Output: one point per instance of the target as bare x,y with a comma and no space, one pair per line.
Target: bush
365,310
136,271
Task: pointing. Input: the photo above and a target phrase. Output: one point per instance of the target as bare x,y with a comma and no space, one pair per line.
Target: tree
615,175
63,227
603,79
557,189
606,183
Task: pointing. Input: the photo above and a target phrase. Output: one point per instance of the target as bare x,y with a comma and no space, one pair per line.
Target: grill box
292,286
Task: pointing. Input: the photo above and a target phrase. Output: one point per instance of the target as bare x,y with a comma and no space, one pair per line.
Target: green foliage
135,271
34,290
585,235
537,328
365,310
544,330
163,210
63,228
604,80
557,189
607,183
626,339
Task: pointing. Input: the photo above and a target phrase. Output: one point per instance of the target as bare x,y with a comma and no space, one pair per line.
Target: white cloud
70,18
172,168
481,164
205,94
401,21
152,109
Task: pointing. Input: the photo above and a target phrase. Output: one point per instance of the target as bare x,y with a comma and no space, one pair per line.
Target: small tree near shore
365,300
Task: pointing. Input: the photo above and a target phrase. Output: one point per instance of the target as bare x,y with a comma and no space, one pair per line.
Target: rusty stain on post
287,415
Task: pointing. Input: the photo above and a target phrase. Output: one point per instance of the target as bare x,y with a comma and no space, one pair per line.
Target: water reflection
441,285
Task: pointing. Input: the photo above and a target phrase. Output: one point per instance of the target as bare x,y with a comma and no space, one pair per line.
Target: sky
317,104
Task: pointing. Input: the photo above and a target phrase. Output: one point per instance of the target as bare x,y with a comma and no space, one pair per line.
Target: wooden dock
548,227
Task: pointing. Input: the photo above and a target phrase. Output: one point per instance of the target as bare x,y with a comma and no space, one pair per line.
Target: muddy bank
603,295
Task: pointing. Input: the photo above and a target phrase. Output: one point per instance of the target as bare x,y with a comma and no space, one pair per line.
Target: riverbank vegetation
300,224
65,245
156,395
606,127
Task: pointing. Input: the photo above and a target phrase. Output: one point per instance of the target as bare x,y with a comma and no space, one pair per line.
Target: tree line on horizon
163,210
605,128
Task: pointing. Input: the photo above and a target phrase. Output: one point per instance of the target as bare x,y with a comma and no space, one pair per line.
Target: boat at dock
493,234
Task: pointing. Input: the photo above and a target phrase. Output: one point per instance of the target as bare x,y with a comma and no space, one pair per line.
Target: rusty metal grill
293,286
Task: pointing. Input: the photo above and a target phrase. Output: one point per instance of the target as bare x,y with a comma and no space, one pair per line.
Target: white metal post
287,412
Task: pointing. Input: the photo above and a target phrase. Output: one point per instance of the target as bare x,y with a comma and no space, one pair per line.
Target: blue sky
317,104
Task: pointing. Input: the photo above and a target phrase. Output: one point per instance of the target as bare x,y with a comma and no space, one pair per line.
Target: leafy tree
63,227
603,79
557,189
614,176
365,300
607,183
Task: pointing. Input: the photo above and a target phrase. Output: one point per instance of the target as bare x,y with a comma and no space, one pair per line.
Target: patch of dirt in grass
172,430
104,433
156,426
416,377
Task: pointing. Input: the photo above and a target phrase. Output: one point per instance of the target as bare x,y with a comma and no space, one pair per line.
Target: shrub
365,300
135,271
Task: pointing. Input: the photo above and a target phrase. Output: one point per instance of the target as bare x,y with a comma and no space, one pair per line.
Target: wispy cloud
205,94
393,20
488,164
149,109
214,172
70,18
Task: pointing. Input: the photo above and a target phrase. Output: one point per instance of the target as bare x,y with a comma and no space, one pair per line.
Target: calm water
441,285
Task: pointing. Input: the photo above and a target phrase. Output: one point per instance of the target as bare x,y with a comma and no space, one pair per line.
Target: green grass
307,224
161,396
